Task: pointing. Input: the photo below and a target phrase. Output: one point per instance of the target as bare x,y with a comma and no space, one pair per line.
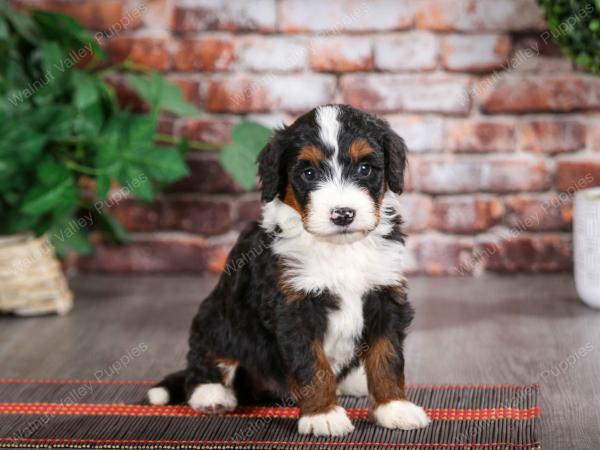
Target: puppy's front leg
313,383
387,316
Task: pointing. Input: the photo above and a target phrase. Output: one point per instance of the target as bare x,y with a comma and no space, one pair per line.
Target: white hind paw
213,398
400,414
158,396
332,423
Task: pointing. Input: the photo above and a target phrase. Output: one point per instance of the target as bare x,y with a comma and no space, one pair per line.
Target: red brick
594,133
434,254
421,133
197,215
126,95
350,15
453,175
292,93
158,252
578,173
210,130
98,15
158,14
190,88
415,50
518,252
183,214
415,210
480,15
392,93
341,54
552,136
273,54
538,54
548,212
137,216
206,176
475,53
465,214
204,54
230,15
560,93
479,136
144,51
249,209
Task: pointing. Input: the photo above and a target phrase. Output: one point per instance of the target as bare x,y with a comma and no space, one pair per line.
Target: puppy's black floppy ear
269,169
395,160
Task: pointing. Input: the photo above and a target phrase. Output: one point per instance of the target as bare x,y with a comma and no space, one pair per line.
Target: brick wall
502,129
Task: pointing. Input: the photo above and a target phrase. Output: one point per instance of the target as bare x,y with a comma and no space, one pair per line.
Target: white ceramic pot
586,235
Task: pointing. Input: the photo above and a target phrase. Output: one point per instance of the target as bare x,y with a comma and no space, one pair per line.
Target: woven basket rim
17,239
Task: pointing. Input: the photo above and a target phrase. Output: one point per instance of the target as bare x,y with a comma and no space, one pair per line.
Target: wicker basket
31,278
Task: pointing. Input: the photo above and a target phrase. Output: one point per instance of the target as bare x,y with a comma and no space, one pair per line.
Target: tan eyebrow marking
359,149
312,154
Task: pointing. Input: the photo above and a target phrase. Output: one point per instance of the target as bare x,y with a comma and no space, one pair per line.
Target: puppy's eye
364,170
309,174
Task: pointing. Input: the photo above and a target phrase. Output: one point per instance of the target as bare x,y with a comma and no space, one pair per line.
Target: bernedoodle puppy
313,301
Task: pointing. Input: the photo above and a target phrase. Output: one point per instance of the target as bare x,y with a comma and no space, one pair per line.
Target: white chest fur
346,270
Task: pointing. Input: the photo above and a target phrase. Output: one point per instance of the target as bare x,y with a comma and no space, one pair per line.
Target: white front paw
332,423
213,398
400,414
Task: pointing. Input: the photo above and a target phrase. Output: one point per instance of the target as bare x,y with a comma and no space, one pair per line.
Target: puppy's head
333,166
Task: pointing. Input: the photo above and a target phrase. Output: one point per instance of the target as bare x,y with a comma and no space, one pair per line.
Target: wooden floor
518,329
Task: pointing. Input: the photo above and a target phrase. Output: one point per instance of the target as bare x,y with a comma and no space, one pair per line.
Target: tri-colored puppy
321,306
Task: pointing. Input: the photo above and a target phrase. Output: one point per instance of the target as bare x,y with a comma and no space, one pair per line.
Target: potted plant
575,25
65,141
586,229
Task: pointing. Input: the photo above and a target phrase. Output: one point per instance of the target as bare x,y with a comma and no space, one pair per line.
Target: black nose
342,216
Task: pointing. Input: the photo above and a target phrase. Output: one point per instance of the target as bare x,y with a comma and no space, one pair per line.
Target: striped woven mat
92,414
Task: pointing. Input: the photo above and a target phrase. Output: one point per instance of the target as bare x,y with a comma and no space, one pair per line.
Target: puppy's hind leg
169,390
209,388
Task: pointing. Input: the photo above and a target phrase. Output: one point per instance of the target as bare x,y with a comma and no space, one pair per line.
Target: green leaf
112,227
239,157
86,89
3,29
102,186
141,130
137,182
63,239
162,164
31,148
22,23
51,173
251,134
43,200
66,30
161,94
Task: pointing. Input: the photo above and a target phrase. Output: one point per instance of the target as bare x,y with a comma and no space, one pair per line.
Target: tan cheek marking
359,149
290,199
312,154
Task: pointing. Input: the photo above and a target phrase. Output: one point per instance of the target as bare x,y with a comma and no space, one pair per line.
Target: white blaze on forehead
329,127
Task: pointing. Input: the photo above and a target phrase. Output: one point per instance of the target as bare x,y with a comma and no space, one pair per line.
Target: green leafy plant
65,139
575,25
